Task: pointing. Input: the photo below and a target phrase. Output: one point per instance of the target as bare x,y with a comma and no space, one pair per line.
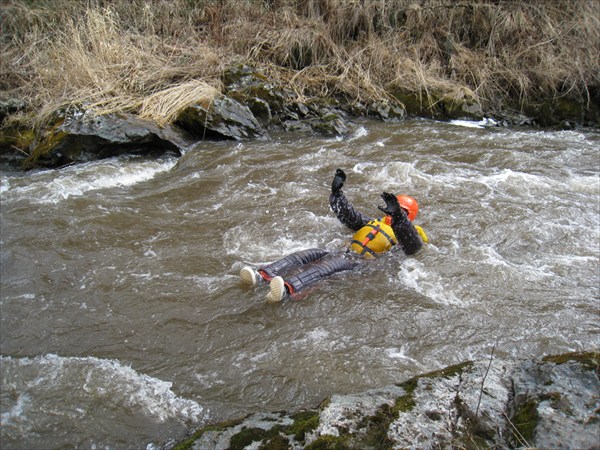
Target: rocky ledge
549,403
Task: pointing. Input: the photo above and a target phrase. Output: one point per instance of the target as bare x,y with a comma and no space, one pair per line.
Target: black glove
338,181
392,207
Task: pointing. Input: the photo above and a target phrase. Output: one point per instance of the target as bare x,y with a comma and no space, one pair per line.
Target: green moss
590,360
329,443
525,419
20,138
378,424
278,442
249,435
49,141
406,402
189,442
304,422
377,427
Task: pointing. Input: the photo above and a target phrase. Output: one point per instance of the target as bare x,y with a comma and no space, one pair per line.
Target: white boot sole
276,290
248,275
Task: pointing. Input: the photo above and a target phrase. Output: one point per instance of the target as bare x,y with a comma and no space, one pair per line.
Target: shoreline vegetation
534,60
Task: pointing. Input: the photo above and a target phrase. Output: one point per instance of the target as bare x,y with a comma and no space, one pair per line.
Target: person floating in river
372,237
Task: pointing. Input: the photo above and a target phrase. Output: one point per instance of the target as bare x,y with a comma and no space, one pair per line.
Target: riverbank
514,62
547,403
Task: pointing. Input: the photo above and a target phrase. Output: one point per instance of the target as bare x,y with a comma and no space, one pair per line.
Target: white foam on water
474,124
53,186
415,275
15,412
358,133
89,381
4,185
247,244
400,353
389,175
584,184
524,270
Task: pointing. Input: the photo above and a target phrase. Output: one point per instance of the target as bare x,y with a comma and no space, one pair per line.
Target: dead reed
150,57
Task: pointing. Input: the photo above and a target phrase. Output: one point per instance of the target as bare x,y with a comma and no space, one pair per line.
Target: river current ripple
124,323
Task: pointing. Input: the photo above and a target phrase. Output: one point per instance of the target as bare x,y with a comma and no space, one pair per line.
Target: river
124,323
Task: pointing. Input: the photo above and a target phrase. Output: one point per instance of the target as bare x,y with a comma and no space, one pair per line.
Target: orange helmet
410,205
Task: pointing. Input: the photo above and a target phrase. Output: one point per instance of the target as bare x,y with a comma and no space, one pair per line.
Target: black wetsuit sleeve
347,214
406,233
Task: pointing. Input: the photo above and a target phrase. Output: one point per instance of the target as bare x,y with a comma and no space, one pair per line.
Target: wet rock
80,137
264,98
317,116
15,140
555,112
557,403
276,106
386,111
457,104
549,403
222,118
10,106
329,123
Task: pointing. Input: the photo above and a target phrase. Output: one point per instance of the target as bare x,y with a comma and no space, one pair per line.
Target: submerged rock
549,403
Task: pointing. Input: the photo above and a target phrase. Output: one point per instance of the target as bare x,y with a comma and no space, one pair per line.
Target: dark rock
329,124
79,137
10,106
15,141
441,105
222,118
387,111
249,87
275,105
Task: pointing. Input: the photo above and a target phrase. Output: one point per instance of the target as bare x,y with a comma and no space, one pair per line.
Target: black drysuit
309,266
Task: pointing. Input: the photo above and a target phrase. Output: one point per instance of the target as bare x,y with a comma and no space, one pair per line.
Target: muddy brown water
124,323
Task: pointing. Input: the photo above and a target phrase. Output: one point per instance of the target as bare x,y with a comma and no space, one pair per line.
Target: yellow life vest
421,232
375,237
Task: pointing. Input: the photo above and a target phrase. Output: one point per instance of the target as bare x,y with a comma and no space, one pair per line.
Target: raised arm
406,233
342,208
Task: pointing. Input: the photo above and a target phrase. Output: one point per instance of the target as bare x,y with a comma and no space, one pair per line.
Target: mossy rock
247,436
525,419
563,110
188,443
253,89
80,137
304,422
457,104
327,442
590,360
15,140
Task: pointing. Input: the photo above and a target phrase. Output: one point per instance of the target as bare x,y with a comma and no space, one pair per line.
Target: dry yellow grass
151,57
163,106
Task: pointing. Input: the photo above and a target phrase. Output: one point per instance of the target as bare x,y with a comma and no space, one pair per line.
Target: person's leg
278,288
282,266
